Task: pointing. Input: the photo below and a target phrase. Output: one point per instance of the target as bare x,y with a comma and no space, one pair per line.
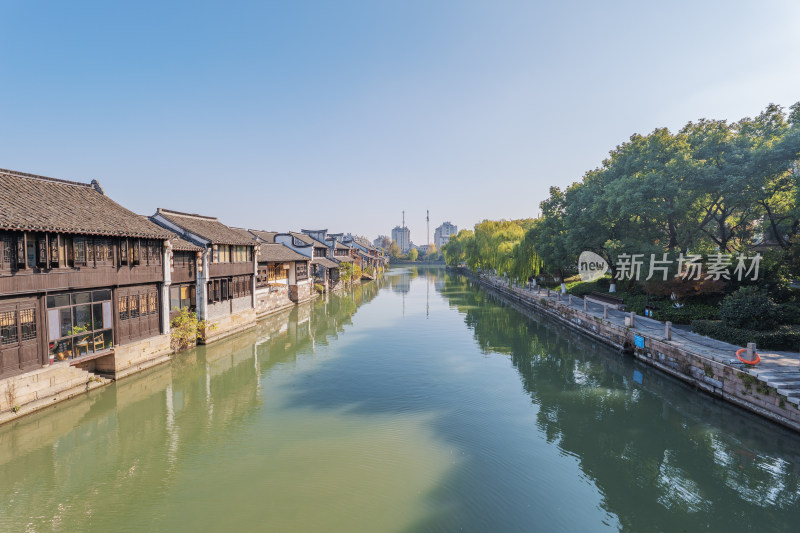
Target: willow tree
455,251
495,241
525,261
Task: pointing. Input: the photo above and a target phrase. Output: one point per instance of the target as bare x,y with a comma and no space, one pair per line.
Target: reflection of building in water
142,431
400,283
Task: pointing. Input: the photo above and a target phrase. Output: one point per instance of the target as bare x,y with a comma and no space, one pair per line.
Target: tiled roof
209,228
324,261
266,236
245,234
340,246
343,259
182,245
37,203
278,253
178,243
308,239
302,237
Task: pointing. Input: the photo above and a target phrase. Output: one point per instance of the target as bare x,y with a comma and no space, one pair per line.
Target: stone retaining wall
708,375
302,291
229,324
32,391
134,357
271,299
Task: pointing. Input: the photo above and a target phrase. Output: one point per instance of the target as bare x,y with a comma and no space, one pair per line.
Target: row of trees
712,187
413,254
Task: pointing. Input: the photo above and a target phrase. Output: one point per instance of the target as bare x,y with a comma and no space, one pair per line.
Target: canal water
415,403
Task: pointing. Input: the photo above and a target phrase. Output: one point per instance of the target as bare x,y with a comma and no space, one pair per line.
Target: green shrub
789,313
686,314
186,329
749,308
580,288
785,337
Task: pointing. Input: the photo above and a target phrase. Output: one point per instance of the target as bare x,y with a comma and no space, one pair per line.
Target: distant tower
402,236
428,223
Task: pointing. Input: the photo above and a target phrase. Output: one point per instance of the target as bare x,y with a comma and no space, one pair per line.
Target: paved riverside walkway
777,369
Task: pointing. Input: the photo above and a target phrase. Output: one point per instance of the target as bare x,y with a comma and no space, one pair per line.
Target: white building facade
443,233
402,236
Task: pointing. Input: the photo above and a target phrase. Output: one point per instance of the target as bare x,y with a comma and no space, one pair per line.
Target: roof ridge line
179,213
19,174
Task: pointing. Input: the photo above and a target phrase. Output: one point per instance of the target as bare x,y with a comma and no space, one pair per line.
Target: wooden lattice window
123,308
261,278
152,303
143,304
54,251
8,328
80,251
154,251
27,319
133,306
8,251
301,271
21,251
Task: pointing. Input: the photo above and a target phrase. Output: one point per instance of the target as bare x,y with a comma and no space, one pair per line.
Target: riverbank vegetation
713,189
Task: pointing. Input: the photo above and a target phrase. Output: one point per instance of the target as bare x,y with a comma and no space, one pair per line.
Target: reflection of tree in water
656,451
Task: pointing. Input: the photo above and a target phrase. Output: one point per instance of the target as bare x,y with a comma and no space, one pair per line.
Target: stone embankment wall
726,381
272,298
230,324
301,292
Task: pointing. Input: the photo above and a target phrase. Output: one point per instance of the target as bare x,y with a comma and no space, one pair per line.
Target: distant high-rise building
402,236
443,233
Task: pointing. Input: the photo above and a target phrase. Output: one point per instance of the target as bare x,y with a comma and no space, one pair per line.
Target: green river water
415,403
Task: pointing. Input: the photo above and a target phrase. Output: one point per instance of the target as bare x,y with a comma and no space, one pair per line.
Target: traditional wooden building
280,269
81,279
182,275
226,269
341,254
372,258
324,271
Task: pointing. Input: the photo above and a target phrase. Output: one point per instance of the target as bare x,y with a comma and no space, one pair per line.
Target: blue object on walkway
639,341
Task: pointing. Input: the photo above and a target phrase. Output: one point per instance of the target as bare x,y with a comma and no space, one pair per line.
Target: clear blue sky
282,115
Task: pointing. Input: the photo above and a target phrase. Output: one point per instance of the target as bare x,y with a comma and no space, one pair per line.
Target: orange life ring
745,361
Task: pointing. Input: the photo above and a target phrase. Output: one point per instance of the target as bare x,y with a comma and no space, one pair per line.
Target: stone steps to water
40,388
786,384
